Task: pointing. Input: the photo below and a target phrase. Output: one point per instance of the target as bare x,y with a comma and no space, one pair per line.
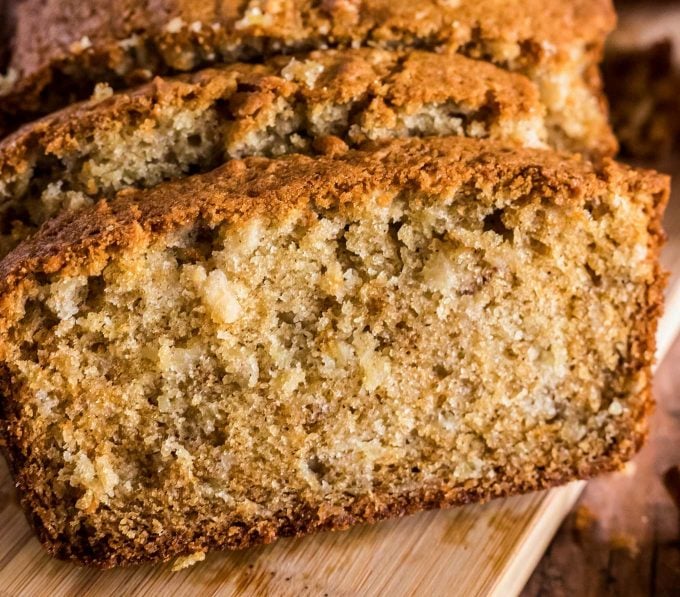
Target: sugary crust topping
402,81
243,189
416,78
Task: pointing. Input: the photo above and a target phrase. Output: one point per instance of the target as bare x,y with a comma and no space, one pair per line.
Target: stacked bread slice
61,48
343,269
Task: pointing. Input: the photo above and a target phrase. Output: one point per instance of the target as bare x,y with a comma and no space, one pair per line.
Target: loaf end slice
284,346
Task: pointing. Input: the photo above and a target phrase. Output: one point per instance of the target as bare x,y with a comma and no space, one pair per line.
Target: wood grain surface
460,551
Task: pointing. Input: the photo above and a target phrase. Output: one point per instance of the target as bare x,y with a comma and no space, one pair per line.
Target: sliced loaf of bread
283,346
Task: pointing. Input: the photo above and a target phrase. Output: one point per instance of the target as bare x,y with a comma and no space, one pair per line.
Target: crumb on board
629,470
187,561
583,519
625,542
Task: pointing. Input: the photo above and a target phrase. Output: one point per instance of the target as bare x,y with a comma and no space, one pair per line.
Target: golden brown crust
408,79
271,188
385,82
79,43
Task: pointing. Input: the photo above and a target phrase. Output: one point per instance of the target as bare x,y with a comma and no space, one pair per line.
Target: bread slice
172,127
284,346
75,44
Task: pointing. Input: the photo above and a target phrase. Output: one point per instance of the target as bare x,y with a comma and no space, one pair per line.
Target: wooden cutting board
477,550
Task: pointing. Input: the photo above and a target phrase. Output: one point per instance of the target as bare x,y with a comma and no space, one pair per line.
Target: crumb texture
312,360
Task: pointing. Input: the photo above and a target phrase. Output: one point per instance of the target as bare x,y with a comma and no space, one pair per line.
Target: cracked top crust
389,81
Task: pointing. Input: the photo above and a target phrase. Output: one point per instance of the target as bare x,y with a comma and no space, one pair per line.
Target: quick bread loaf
314,103
61,48
281,346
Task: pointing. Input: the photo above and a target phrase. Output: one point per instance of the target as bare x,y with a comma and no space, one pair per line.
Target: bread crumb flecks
102,91
183,562
254,17
584,519
175,25
307,71
8,80
623,541
84,43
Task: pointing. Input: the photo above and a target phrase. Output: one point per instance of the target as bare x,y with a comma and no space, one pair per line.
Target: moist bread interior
233,376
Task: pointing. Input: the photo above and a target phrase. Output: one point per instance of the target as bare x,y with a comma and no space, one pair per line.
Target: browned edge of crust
303,520
643,350
425,165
